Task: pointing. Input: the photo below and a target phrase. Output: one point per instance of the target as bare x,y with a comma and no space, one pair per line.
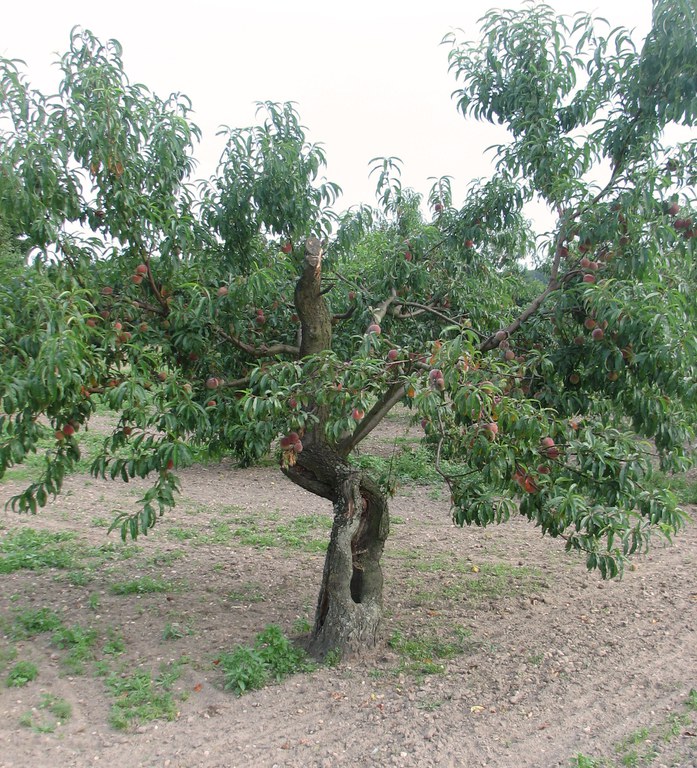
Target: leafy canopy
173,302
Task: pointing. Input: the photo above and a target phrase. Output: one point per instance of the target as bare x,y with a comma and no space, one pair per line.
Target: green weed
79,643
582,761
301,626
175,631
33,621
498,580
7,655
425,655
138,698
246,593
29,549
115,644
21,673
51,712
271,658
143,585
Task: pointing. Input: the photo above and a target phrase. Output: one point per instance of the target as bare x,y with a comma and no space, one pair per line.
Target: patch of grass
143,585
115,644
175,631
691,703
33,621
21,673
246,593
429,705
271,658
583,761
7,655
138,698
296,534
498,580
79,643
51,712
412,464
94,601
250,536
219,533
301,626
166,558
79,578
425,654
639,747
30,549
182,534
333,658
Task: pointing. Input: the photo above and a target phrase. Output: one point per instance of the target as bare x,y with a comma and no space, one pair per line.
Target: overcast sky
369,78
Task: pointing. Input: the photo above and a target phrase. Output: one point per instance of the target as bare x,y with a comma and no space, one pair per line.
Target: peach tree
242,314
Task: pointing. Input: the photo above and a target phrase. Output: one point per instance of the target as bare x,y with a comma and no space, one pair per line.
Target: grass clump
79,642
140,698
33,550
51,712
425,655
33,621
271,658
21,673
143,585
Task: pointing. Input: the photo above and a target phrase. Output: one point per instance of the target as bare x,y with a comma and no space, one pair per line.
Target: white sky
369,78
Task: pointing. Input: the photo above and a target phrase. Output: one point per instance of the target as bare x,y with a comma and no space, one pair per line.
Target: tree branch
376,414
261,351
427,308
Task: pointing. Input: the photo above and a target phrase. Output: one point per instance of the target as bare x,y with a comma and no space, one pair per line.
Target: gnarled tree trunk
349,609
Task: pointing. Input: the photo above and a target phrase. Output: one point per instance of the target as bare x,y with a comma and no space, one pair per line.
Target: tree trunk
349,608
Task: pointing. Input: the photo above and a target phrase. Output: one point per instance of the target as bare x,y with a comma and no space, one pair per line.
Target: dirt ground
551,663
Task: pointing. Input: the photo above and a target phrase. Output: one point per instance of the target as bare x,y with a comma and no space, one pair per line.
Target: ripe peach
492,428
374,328
358,414
142,269
598,334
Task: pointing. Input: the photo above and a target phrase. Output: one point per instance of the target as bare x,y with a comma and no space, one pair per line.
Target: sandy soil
552,662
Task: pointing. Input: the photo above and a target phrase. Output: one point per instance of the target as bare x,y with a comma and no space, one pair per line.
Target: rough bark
349,608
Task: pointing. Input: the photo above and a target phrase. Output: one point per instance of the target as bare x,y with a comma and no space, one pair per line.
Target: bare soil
551,661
